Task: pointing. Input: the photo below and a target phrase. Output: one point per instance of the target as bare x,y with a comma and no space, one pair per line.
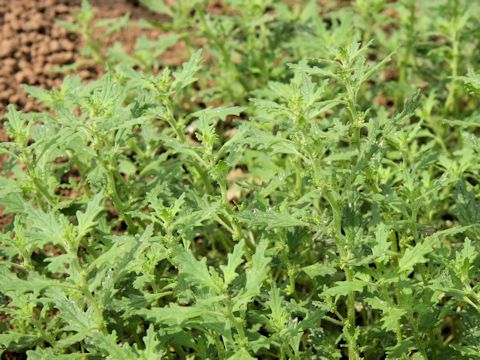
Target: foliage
297,189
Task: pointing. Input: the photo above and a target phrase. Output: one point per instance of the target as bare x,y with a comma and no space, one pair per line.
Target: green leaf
114,351
48,227
391,315
49,354
12,203
158,6
415,255
185,77
114,25
256,274
234,261
152,346
466,257
220,113
176,315
382,247
79,321
471,81
43,96
33,283
467,208
16,340
319,269
193,270
86,220
271,219
184,149
279,315
342,288
18,125
241,354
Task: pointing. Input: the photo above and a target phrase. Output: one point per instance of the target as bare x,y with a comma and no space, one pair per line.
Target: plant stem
117,201
350,323
355,118
39,186
226,58
84,290
451,103
298,177
411,39
396,250
238,325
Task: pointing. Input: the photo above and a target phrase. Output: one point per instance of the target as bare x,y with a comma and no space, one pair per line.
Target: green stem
83,288
298,177
170,119
407,58
291,277
83,177
451,103
398,325
333,321
218,345
94,45
416,333
118,203
350,323
355,118
396,250
238,325
331,198
225,54
352,345
204,176
39,186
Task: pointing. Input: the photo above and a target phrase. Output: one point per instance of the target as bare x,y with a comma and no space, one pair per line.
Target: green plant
302,217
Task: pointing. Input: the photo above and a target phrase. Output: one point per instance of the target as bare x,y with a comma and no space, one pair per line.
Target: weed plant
304,187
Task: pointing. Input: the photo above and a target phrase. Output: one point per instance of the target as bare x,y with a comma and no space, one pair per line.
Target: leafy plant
313,208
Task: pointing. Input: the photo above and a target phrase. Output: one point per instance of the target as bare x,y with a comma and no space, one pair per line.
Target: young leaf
234,261
256,274
241,354
194,271
152,345
158,6
108,343
319,269
391,315
342,288
415,255
86,220
185,77
279,315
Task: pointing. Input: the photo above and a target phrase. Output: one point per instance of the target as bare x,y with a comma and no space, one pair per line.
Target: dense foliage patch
304,187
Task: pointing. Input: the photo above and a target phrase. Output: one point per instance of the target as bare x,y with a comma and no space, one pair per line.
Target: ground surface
32,45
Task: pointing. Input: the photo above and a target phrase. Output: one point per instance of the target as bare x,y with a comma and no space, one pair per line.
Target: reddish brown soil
113,9
32,45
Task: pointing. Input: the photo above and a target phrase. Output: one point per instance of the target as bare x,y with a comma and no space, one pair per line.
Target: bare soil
32,45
